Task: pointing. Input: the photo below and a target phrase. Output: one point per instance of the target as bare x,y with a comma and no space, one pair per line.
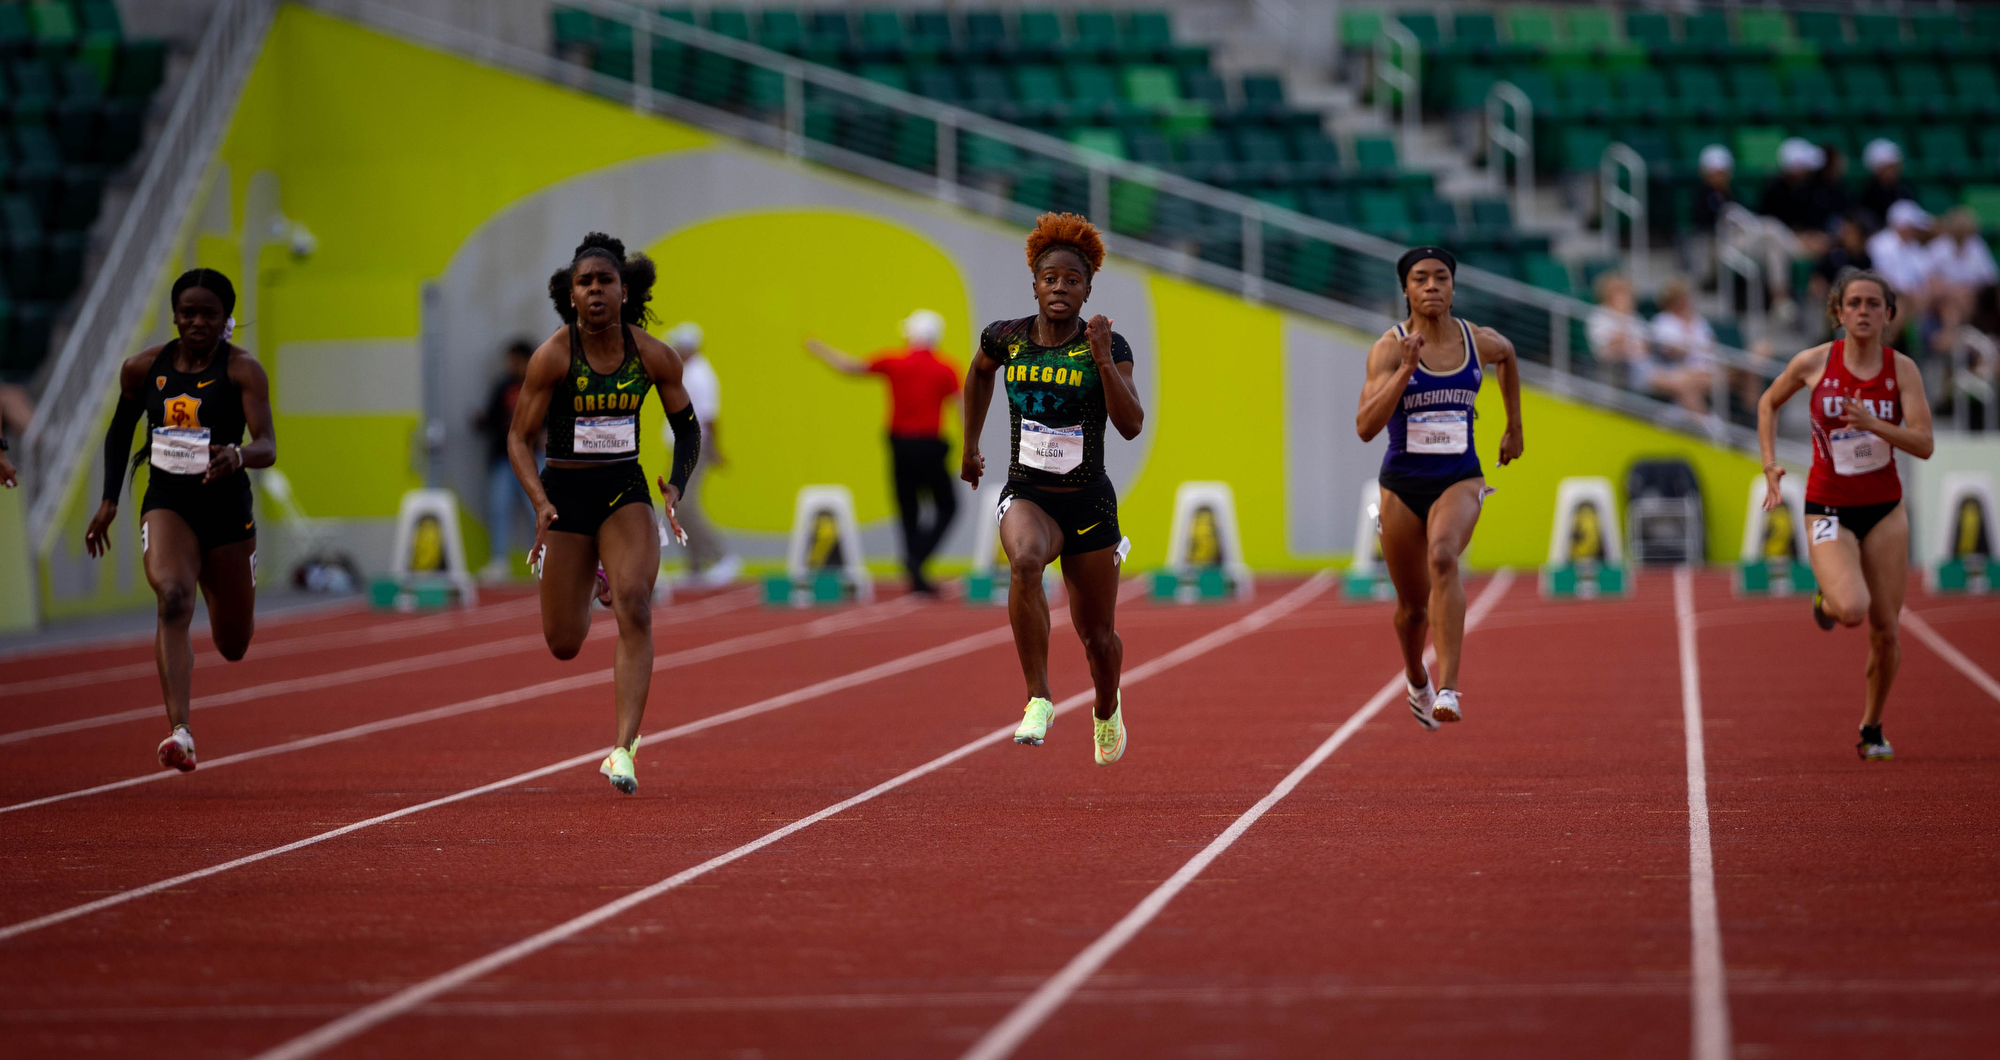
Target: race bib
1449,431
1857,452
180,450
605,436
1825,528
1057,450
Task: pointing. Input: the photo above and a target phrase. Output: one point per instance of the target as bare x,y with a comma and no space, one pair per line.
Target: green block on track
979,588
1212,583
828,588
1166,583
778,591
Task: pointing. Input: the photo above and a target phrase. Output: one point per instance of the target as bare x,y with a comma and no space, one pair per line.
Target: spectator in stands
506,502
1830,193
1885,186
1718,175
1797,197
1616,332
1962,270
1771,236
1849,251
1683,360
1901,253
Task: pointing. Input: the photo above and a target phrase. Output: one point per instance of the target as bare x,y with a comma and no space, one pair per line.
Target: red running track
1515,885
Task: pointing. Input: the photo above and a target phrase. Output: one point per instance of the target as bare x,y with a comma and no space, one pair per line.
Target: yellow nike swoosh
1089,528
626,383
204,383
614,500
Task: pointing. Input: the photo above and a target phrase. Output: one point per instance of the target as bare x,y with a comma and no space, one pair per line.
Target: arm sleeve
687,447
1121,351
118,445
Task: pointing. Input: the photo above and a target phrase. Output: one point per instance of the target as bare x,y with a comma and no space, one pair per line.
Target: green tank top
595,415
1055,403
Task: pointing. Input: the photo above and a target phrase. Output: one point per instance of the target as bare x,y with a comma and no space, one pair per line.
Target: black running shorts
1088,516
586,496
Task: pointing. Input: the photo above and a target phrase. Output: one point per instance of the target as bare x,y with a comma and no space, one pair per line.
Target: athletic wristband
687,447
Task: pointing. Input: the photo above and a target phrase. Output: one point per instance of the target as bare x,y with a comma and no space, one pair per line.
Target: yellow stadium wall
400,160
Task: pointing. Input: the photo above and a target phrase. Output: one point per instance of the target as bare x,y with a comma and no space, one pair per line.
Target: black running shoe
1873,748
1819,614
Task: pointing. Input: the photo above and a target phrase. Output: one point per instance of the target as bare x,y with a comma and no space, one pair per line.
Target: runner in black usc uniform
1064,379
197,529
586,384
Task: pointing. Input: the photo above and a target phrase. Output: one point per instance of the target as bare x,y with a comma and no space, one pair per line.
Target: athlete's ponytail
636,273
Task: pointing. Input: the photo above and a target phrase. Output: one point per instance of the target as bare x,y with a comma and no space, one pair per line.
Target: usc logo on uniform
183,411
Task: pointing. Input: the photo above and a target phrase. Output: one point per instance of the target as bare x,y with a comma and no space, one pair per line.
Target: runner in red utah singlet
1853,467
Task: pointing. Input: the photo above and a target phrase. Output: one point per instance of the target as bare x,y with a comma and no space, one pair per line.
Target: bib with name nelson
1055,403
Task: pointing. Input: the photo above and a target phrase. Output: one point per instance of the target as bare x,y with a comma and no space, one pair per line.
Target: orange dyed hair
1065,231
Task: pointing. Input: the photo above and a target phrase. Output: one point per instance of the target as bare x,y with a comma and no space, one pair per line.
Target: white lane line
733,646
1007,1035
354,675
404,1000
1710,993
283,646
1935,641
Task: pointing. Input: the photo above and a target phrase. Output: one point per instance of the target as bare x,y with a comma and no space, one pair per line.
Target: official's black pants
919,468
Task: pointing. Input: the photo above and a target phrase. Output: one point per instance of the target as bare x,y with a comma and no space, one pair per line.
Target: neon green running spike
1110,734
619,767
1035,722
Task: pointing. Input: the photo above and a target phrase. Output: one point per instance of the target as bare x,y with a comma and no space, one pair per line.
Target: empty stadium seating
73,99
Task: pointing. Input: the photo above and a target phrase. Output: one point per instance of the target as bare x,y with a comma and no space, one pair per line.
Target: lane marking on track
353,675
283,646
1007,1035
404,1000
1949,653
733,646
283,617
1709,998
904,664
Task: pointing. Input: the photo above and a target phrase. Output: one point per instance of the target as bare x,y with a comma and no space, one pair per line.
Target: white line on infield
1935,641
1009,1033
1709,997
352,675
686,657
410,997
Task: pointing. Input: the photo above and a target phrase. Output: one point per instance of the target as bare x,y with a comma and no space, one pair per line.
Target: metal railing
1516,142
1620,202
1399,68
1168,220
154,223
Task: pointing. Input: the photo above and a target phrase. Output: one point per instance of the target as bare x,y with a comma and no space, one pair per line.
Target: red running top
919,385
1853,467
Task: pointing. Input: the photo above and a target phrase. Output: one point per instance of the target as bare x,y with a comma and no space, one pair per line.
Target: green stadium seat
1422,25
1206,156
1152,87
1473,33
1877,34
1825,29
987,90
78,194
573,29
1283,198
1591,29
1318,155
1984,201
1987,139
1097,34
54,25
1333,205
1545,271
1642,94
1382,210
1358,29
829,36
1149,147
683,15
915,145
1698,93
1040,34
1431,210
1943,36
1101,140
1580,148
1812,93
1653,144
1977,91
1094,90
1205,86
1650,30
1585,96
1491,215
1263,94
1757,95
1942,155
1532,27
33,89
782,30
930,32
1923,90
1867,91
1148,35
1772,29
1756,148
894,76
1039,93
1374,154
1706,33
983,155
986,34
730,22
882,35
1264,157
98,20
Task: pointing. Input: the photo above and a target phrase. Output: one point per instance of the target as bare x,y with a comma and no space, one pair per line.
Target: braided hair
635,272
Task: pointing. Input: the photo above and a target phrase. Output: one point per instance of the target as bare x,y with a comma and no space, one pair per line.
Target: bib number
1057,450
1825,528
1857,452
180,450
1446,432
605,436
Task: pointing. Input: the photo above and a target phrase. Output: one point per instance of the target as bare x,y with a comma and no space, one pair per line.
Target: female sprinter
1063,378
1867,400
198,394
1423,376
592,506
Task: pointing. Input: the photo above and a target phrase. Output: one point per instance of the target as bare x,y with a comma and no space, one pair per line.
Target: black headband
1416,254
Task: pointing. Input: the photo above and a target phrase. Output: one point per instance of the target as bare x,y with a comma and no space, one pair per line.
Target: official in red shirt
920,384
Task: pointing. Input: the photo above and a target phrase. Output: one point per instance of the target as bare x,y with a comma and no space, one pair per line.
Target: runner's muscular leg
230,585
629,542
173,568
1032,541
1092,581
1836,566
1452,519
1885,561
569,582
1404,547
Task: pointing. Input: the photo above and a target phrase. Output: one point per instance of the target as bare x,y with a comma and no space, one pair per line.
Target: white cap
1716,158
1799,153
1907,214
1881,153
923,329
685,338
